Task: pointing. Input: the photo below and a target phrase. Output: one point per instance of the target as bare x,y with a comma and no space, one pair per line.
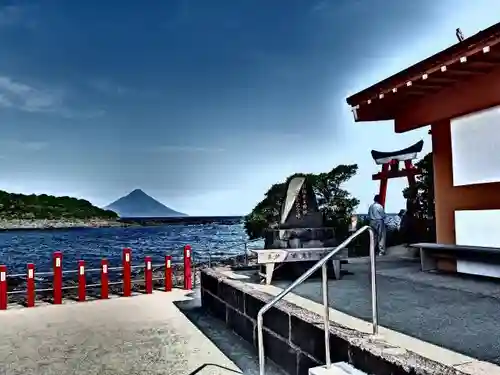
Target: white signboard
475,139
477,228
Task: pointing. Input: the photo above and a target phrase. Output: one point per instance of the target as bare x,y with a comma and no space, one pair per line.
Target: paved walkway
458,313
144,334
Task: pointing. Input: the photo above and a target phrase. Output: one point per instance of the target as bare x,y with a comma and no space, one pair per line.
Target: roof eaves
467,47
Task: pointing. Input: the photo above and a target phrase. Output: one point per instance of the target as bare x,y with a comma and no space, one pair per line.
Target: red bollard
127,286
57,281
148,275
82,287
3,287
104,279
168,273
30,286
188,284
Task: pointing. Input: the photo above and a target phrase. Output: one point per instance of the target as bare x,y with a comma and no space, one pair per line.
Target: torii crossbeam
390,162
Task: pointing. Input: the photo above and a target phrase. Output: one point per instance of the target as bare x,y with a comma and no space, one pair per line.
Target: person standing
376,215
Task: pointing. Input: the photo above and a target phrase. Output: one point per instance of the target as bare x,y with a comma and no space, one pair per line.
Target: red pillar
383,183
168,273
127,270
148,275
3,287
57,281
188,284
410,175
81,281
104,279
30,286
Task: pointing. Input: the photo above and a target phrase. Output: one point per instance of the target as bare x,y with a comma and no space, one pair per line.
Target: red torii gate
390,162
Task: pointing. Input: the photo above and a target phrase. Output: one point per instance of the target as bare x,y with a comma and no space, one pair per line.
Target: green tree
20,206
335,203
421,201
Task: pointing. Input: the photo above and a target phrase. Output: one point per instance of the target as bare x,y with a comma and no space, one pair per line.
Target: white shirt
376,212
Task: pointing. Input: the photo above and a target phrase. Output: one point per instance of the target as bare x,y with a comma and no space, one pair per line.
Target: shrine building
462,80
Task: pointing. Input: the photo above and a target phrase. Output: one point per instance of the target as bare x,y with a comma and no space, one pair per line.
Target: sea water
92,244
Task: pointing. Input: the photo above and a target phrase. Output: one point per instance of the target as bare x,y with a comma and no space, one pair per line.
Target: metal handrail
242,243
232,246
322,263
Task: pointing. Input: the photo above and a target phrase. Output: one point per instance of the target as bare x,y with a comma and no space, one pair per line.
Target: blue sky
205,104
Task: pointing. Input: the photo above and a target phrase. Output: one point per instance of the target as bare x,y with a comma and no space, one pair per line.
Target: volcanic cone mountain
139,204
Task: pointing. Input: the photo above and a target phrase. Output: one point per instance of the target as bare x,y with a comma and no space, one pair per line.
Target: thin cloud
34,146
17,15
189,149
329,7
27,98
31,146
320,6
15,94
109,88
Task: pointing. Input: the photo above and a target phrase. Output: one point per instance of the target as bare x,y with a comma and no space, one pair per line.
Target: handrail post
127,278
324,281
373,266
57,280
3,287
305,276
246,253
168,273
30,285
260,344
82,287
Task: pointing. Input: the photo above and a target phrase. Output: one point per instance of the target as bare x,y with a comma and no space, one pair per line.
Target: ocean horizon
93,244
221,237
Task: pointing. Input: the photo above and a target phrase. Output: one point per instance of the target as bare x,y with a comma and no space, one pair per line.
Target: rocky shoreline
46,224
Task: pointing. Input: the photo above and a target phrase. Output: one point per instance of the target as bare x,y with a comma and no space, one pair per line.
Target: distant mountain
139,204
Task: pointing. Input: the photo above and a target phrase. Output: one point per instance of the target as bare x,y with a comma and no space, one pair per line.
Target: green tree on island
28,207
335,203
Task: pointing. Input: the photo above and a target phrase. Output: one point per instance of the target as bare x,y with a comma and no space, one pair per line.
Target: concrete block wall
293,337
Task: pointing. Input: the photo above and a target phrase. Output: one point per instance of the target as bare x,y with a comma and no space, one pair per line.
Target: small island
25,212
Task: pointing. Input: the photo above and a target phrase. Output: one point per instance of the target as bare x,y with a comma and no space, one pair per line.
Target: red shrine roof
476,55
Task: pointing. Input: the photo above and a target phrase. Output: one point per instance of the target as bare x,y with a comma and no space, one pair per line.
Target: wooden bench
473,260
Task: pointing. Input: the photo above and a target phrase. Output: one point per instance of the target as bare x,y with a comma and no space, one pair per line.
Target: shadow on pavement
233,346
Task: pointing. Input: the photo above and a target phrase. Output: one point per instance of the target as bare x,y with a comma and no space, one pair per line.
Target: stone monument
300,227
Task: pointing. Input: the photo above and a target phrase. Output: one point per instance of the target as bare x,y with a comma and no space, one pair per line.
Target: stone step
339,368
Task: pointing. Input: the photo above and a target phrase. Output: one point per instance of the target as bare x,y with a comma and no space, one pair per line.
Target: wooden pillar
443,182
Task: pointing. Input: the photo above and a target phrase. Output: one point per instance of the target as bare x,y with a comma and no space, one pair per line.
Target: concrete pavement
145,334
451,311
